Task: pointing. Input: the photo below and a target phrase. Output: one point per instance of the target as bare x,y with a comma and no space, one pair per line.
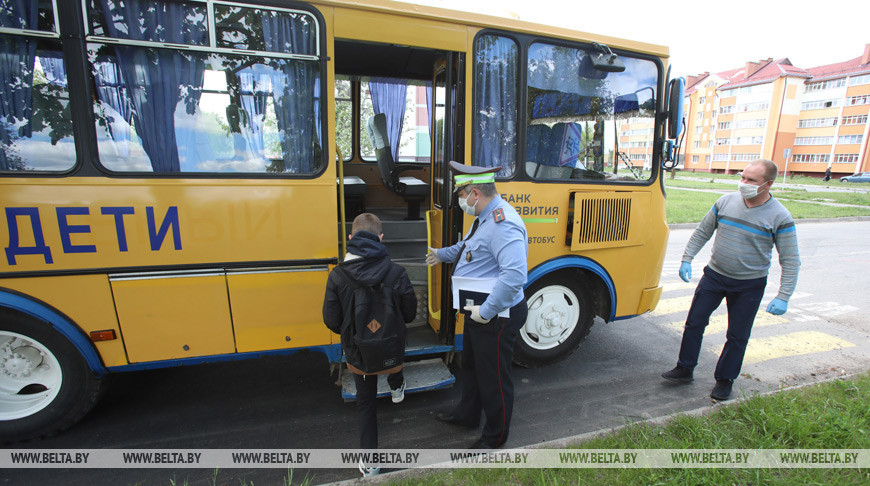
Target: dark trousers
743,298
367,407
487,380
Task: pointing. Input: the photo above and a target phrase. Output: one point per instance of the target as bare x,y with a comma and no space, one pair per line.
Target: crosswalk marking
792,344
671,286
719,323
672,305
759,349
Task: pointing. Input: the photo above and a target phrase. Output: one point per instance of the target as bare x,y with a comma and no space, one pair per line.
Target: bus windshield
577,114
580,122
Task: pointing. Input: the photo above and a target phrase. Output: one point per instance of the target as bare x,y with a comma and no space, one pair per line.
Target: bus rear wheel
560,317
45,383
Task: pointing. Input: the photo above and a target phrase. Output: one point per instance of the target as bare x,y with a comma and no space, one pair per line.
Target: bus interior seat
543,149
412,189
354,195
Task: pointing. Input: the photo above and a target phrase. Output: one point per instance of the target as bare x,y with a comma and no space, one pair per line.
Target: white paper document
480,285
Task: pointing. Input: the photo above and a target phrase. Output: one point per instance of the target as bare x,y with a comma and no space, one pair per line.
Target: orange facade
771,109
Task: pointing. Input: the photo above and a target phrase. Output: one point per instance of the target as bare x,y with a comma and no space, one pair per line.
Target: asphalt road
292,402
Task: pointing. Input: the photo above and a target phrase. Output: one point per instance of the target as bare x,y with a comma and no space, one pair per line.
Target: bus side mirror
676,92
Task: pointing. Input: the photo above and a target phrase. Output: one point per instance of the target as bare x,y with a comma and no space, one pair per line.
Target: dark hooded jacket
370,268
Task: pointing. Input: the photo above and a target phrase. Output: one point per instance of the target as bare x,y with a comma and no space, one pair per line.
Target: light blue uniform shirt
498,250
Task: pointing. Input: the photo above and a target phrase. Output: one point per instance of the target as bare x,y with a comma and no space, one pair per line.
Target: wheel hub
20,362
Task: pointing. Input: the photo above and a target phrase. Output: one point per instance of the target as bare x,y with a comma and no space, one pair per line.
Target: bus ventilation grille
603,220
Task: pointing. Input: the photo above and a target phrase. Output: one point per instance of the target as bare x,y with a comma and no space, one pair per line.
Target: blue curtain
158,79
112,92
494,130
256,87
17,60
388,97
294,88
52,66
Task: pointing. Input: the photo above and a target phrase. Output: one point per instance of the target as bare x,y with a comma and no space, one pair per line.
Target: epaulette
498,215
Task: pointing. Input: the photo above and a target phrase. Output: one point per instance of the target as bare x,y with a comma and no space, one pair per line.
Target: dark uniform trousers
487,381
367,406
743,298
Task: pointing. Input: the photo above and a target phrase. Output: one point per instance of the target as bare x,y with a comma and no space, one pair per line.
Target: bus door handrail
436,315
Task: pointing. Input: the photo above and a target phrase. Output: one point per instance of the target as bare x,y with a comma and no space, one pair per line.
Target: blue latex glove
686,271
777,307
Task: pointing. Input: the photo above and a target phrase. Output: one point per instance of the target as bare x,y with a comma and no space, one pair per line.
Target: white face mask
748,191
469,210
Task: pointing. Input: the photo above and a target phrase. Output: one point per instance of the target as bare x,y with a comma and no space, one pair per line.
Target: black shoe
678,375
722,390
481,444
448,418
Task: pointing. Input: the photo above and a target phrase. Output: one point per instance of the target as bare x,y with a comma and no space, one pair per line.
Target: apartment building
805,120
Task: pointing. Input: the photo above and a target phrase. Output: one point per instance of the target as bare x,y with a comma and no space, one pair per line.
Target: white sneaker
398,394
368,471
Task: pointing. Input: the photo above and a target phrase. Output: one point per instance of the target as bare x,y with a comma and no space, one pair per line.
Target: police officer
496,247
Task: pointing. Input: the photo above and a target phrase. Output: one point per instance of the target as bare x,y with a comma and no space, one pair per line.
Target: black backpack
375,340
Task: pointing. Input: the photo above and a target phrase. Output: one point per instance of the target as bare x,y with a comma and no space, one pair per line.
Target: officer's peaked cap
464,175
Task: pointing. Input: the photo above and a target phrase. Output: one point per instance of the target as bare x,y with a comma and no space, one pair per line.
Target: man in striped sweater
747,223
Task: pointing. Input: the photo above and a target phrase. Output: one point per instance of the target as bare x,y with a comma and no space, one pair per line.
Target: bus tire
45,383
560,317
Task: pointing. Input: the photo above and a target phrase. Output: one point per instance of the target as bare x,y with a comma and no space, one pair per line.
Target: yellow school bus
177,178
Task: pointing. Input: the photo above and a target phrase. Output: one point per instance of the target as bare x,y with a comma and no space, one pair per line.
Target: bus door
444,225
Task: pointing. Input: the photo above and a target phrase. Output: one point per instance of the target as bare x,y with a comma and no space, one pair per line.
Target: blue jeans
743,297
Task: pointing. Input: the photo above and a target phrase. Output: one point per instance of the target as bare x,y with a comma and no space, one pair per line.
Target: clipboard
473,291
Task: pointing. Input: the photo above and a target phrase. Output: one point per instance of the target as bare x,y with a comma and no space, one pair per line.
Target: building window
725,125
857,100
854,120
695,159
700,114
702,99
763,105
744,157
728,92
817,122
849,139
819,104
811,158
856,80
756,140
724,110
814,140
696,144
845,158
720,157
756,123
723,141
822,85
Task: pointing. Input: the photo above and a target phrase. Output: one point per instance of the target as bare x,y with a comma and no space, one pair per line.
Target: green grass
833,415
691,206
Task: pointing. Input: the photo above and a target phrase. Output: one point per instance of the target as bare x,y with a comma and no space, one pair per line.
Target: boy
368,263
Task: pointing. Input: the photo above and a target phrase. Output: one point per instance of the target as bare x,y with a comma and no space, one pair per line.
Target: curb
567,441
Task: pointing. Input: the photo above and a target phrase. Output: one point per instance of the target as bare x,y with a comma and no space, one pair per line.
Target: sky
809,34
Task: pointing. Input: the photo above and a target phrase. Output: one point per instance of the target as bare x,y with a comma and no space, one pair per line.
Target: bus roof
491,21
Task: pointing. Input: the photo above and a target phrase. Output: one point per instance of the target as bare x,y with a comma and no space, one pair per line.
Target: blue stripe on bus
332,352
574,261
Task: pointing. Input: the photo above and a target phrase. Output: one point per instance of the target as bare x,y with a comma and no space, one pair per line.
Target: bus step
430,374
